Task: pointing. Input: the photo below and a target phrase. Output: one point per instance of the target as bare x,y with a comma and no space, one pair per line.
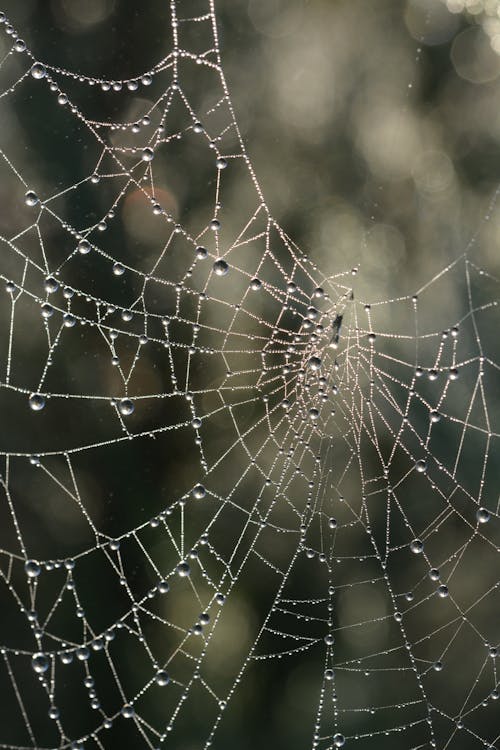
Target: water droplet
147,154
51,285
314,363
421,466
215,225
196,423
453,373
435,416
118,269
20,45
39,663
201,252
36,401
221,163
313,414
332,523
84,247
220,267
69,320
183,570
163,587
126,407
199,492
53,713
82,653
434,574
443,591
483,515
255,285
417,546
31,198
47,311
32,568
162,678
339,740
329,674
127,711
329,639
198,127
38,71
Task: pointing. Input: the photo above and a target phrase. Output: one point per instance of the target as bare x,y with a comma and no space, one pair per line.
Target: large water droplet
36,401
220,267
126,407
32,568
183,570
31,198
199,492
38,71
39,663
417,546
84,247
162,678
483,515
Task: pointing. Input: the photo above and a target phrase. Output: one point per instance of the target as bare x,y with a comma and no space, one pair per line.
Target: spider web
318,485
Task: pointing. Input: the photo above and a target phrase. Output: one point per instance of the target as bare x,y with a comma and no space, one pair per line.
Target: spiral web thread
342,468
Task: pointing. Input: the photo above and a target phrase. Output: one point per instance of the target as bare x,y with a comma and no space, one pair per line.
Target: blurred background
373,128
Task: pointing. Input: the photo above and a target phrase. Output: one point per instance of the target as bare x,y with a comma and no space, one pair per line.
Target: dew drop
38,71
118,269
31,198
220,267
255,285
51,285
338,740
162,678
199,492
32,568
183,570
126,407
221,163
36,401
435,416
314,363
417,546
127,711
39,663
483,515
147,154
84,247
421,466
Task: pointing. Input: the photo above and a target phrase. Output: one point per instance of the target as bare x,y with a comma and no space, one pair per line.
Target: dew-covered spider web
226,475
